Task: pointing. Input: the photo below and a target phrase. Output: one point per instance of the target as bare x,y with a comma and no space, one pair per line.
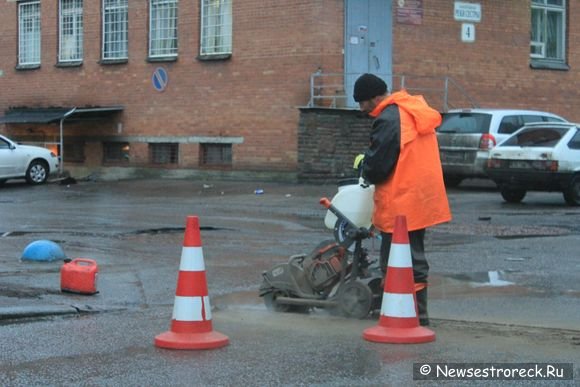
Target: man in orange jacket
403,163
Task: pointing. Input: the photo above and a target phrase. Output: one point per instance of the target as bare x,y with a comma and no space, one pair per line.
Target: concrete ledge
113,173
18,312
37,311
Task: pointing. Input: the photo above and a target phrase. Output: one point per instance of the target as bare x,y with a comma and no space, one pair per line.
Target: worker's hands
358,160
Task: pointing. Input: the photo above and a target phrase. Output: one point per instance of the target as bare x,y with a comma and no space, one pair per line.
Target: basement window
163,153
74,151
116,152
213,154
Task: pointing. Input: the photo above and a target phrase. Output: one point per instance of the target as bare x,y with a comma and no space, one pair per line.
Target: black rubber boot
422,307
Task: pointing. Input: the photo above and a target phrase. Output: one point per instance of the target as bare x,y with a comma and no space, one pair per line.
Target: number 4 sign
467,32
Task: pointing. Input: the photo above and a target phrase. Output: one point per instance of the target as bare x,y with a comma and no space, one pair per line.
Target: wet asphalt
504,285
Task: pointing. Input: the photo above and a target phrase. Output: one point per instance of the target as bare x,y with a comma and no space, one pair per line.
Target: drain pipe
61,164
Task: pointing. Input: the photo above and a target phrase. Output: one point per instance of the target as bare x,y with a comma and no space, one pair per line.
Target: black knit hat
368,86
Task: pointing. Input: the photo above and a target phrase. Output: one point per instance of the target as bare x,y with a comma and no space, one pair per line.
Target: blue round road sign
159,79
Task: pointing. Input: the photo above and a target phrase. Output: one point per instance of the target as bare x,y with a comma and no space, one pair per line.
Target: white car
538,157
32,163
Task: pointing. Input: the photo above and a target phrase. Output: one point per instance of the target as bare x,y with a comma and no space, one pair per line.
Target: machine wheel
512,195
37,172
355,299
572,193
272,304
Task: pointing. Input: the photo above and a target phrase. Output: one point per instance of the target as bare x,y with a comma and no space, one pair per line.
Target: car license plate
453,157
519,164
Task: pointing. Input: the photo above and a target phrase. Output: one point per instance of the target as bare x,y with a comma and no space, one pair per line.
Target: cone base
381,334
205,340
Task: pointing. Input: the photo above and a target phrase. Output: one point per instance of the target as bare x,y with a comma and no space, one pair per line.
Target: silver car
467,135
32,163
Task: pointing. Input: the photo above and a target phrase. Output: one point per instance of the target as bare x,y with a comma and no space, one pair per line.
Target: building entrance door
368,42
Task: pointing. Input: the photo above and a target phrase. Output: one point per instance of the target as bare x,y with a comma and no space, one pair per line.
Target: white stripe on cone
192,259
398,305
189,308
400,255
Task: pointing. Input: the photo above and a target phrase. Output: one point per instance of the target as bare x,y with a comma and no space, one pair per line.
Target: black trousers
416,240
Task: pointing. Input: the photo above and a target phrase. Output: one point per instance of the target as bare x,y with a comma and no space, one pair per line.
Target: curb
17,312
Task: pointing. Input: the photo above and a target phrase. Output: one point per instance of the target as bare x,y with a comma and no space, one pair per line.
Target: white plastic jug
355,201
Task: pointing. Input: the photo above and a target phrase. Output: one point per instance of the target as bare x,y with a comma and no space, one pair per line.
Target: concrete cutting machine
338,274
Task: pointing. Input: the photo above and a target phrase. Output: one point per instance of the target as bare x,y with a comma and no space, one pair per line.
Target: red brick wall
276,46
495,68
254,95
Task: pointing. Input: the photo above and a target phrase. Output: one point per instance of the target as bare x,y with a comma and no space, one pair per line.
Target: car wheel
572,193
512,195
37,172
2,181
452,181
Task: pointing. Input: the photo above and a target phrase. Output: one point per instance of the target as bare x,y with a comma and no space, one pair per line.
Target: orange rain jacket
403,163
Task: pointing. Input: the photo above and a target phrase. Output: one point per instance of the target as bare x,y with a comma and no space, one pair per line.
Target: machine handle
83,262
326,203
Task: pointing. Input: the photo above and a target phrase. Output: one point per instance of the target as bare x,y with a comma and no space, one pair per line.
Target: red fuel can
79,276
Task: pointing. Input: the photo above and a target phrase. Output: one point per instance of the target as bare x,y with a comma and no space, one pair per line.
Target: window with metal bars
162,28
70,31
115,152
216,27
548,30
115,29
163,153
29,33
215,154
74,151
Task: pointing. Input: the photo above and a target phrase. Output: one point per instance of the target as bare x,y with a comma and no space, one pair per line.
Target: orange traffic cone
191,326
399,322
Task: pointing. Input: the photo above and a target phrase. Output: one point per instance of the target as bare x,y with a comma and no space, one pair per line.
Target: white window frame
115,39
163,20
545,42
70,38
29,33
216,27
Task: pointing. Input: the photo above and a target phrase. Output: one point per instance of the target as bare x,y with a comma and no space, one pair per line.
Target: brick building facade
237,112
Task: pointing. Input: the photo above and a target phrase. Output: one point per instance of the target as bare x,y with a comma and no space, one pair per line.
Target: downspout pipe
61,163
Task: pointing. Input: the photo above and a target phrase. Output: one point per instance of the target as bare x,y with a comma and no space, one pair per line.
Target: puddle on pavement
490,278
493,282
18,291
149,231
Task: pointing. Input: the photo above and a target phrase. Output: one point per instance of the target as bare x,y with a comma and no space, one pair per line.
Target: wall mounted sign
468,32
159,79
470,12
410,12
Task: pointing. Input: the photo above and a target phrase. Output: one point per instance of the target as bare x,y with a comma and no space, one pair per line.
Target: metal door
368,41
